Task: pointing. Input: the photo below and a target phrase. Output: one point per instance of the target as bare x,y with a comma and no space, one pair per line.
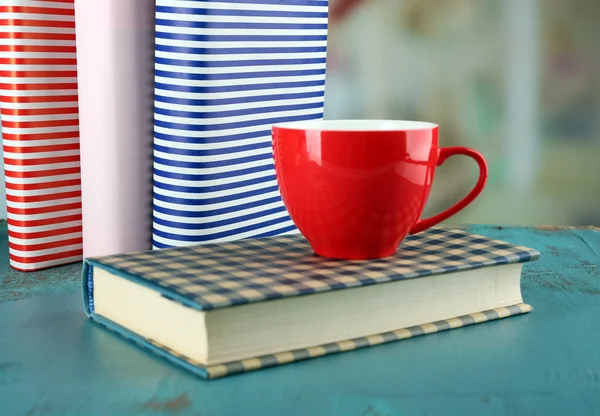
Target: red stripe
38,48
37,36
39,124
42,173
45,246
43,210
42,185
41,149
36,23
36,10
38,61
42,136
39,74
49,257
41,161
44,234
47,221
39,111
43,198
38,99
39,87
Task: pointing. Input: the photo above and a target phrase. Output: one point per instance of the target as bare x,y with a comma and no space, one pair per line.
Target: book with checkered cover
438,280
40,132
225,72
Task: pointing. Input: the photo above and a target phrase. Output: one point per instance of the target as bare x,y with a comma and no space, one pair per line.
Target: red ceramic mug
356,188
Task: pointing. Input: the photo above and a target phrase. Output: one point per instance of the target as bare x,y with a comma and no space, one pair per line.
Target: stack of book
170,142
158,170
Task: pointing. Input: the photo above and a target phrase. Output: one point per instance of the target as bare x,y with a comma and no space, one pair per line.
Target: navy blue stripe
239,75
223,234
213,176
271,233
235,125
158,86
239,25
213,152
237,100
249,62
239,51
207,140
216,212
221,139
213,188
216,200
232,113
240,38
238,12
220,223
214,164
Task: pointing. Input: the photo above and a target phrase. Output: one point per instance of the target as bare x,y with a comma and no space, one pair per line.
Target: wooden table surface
53,361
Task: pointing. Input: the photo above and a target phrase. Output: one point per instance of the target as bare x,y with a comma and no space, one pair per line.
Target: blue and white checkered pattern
225,72
239,272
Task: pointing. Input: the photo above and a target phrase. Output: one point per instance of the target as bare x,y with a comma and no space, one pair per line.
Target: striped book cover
40,133
225,71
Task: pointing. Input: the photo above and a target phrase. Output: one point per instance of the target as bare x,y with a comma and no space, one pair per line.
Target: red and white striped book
40,132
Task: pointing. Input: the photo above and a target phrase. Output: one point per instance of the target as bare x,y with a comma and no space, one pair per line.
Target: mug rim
356,125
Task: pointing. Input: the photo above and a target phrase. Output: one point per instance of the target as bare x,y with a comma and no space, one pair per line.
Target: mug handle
444,154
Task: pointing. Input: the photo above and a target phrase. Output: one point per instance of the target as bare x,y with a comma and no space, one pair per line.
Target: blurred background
518,80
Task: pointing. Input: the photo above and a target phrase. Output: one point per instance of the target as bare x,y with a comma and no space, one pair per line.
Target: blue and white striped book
225,72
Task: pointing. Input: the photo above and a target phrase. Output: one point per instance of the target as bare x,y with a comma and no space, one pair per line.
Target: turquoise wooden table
54,362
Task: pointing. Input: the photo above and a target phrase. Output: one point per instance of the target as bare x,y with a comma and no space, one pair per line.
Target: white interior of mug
357,125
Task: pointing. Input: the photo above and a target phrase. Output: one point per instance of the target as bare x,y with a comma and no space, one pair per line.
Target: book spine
40,132
115,55
225,72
